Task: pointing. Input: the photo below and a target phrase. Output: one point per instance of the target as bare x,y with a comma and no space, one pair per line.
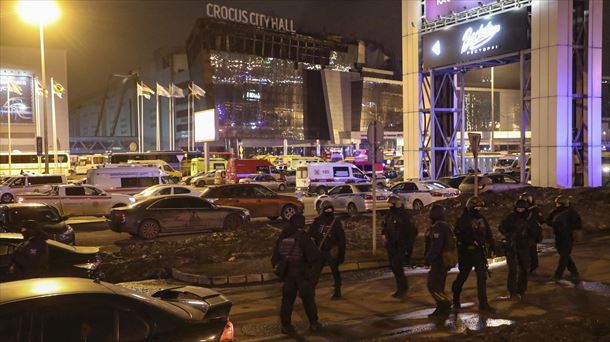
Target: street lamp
41,13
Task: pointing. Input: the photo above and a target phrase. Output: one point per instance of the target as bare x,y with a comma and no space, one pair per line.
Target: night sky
106,37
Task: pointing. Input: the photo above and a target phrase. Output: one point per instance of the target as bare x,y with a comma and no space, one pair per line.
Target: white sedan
265,179
167,189
353,198
418,194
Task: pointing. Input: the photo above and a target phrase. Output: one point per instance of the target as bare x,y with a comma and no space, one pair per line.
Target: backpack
281,268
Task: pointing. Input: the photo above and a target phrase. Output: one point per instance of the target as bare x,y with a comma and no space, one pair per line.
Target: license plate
380,198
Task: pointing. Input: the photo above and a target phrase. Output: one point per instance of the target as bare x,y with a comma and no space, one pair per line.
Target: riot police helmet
395,200
562,201
527,197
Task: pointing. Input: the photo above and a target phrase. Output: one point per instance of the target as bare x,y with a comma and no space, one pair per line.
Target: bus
176,159
28,163
84,163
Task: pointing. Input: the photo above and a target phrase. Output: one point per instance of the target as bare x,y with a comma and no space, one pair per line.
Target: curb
262,278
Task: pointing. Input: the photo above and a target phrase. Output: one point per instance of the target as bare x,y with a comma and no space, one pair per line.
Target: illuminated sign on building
436,8
19,105
496,35
251,18
205,125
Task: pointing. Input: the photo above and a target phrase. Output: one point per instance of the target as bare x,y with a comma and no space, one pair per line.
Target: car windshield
470,179
435,185
8,180
364,187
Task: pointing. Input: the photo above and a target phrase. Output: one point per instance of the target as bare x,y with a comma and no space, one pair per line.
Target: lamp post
41,13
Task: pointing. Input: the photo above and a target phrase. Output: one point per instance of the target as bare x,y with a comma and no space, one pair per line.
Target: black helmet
474,202
527,197
297,221
327,206
437,212
395,200
521,203
562,200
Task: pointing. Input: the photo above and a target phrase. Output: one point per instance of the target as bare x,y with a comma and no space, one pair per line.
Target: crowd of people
301,253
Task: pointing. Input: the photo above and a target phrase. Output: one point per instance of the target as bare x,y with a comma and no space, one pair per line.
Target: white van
302,161
13,186
125,178
321,177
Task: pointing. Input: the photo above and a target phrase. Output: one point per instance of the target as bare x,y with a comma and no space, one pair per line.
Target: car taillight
368,197
227,333
436,194
481,187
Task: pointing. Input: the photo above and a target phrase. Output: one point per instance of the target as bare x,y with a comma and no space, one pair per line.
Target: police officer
565,220
520,232
441,255
475,243
399,234
30,257
301,256
534,214
327,233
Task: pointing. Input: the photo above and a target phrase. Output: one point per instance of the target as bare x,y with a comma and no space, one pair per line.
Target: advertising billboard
436,8
20,106
491,36
205,125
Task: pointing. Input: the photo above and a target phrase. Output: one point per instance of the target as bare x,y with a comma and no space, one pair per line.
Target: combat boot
486,308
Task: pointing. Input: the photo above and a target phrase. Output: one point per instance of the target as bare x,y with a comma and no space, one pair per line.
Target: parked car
291,177
418,194
207,178
259,200
453,181
12,186
64,260
188,179
353,198
13,216
266,180
78,200
493,182
76,309
166,189
175,214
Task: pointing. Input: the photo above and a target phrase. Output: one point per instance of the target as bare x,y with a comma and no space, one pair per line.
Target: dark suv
13,215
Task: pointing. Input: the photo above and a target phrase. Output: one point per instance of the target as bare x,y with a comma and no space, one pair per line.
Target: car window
268,178
397,187
495,179
364,187
346,189
20,181
89,322
199,203
171,203
75,191
89,191
334,191
357,173
261,191
165,191
340,171
181,190
132,327
410,187
507,179
227,191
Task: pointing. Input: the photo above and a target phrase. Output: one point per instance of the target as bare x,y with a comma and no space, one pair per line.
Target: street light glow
38,12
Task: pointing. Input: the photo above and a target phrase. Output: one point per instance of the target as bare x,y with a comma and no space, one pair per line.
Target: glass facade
383,101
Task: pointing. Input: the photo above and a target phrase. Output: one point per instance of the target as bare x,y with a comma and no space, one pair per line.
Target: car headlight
247,212
606,169
132,199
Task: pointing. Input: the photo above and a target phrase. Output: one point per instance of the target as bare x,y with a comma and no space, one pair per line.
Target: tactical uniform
30,257
328,234
534,214
565,220
475,241
440,255
399,233
301,254
520,232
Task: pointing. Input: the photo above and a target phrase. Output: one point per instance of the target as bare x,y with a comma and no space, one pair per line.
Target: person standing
475,243
565,221
399,236
328,234
299,254
535,215
441,256
30,257
520,231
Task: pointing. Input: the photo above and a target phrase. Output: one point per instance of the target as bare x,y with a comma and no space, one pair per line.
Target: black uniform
400,234
535,214
328,234
520,232
302,255
475,241
565,220
440,241
30,257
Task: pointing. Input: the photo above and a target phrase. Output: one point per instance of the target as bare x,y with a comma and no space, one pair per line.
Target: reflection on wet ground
596,287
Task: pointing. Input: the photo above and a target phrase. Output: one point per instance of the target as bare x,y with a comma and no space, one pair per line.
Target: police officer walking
30,258
520,232
535,215
327,233
441,255
565,220
298,256
399,234
475,243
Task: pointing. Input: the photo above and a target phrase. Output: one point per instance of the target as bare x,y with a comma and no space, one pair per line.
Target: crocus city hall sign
500,34
251,18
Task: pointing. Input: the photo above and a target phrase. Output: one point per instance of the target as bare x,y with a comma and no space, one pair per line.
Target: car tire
321,190
418,205
273,218
352,210
7,198
149,229
198,184
288,211
281,188
231,222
